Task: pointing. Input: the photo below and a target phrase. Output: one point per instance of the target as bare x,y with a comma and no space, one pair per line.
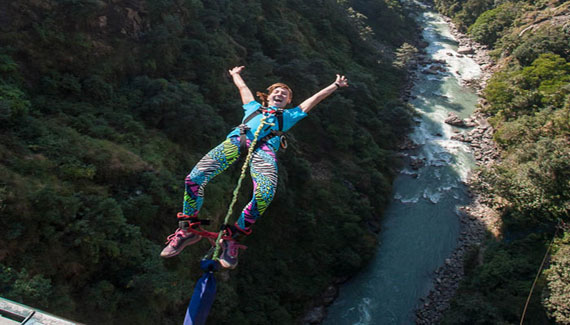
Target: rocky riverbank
477,219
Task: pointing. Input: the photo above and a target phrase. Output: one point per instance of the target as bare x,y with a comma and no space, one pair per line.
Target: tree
557,299
489,26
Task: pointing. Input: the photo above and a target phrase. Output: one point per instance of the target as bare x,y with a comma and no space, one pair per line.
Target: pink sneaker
229,256
177,241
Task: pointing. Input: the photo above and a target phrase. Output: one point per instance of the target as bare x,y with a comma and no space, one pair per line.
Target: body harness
243,128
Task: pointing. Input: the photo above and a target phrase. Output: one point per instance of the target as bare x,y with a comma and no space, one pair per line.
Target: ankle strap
185,221
234,231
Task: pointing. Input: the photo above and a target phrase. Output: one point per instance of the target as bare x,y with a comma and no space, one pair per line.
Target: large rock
417,163
459,137
435,69
470,122
453,119
431,70
465,50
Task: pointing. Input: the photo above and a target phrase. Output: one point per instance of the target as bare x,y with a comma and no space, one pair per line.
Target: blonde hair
263,96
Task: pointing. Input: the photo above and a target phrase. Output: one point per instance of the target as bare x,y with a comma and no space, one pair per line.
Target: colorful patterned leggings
263,170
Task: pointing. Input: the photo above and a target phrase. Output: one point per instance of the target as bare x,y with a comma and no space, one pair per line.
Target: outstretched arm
311,102
245,93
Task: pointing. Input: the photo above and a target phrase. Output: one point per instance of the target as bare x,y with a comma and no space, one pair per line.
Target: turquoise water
421,226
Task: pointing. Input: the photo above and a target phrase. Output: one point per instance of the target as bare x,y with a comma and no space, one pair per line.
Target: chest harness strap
243,128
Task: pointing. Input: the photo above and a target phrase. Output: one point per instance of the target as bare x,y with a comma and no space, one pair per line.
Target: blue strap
204,295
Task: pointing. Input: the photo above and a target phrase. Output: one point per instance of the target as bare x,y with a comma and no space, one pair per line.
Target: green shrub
24,287
544,40
489,26
556,300
14,105
525,91
464,13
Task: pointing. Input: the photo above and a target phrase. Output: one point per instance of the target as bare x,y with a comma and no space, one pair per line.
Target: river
421,225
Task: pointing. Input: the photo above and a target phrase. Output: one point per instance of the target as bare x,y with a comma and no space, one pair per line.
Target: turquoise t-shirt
290,117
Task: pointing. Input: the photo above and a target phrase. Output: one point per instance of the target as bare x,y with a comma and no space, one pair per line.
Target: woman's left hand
341,81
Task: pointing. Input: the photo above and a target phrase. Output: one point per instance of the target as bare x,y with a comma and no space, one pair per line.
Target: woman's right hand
236,70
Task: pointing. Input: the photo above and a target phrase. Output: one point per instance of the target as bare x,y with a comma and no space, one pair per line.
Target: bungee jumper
263,123
260,135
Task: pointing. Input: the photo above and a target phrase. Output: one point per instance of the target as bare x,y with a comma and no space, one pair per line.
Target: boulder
470,123
465,50
453,119
458,137
417,163
431,70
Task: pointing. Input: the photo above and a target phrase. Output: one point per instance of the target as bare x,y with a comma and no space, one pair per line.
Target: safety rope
539,271
238,186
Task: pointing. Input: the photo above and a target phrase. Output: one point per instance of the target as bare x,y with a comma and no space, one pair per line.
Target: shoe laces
173,239
233,247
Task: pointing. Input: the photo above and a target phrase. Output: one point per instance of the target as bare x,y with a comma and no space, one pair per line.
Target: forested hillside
105,106
527,102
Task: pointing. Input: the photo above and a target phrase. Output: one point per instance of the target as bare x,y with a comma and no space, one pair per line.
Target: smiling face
279,96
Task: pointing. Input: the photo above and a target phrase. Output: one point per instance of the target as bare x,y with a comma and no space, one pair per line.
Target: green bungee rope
238,186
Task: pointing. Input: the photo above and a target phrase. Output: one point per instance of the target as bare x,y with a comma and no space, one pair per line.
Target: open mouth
278,100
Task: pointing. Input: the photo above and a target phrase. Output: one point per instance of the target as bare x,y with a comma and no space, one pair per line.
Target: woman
263,166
